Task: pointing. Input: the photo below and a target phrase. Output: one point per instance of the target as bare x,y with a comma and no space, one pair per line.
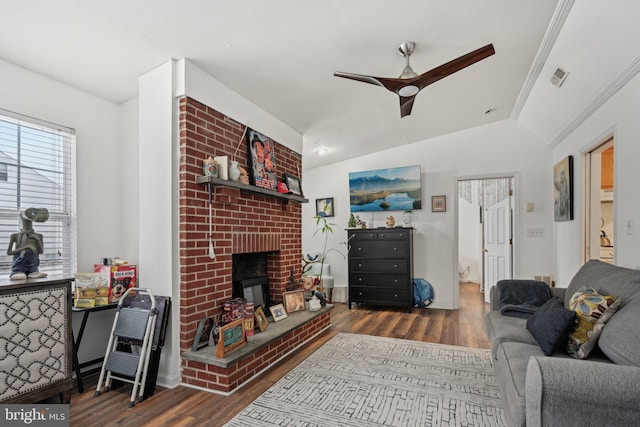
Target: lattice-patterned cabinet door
35,339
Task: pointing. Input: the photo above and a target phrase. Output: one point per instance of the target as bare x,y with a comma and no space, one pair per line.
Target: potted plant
324,227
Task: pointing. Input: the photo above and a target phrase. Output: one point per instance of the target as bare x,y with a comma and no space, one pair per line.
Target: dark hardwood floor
184,406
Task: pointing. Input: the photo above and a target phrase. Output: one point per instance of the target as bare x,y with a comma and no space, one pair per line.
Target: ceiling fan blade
453,66
359,77
406,104
412,86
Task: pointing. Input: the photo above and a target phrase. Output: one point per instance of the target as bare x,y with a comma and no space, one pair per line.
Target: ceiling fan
409,83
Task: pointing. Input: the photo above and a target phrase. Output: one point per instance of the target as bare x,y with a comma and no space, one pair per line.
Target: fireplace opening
250,278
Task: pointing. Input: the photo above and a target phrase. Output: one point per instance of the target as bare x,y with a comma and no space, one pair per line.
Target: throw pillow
550,325
592,312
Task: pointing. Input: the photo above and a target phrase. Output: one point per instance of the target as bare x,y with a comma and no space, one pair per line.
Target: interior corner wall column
157,233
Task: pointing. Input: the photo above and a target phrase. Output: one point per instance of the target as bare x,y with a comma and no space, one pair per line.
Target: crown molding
548,41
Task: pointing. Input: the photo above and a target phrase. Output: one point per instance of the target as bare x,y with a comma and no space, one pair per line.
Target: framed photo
205,328
438,203
261,319
563,190
262,160
232,337
294,301
324,207
278,312
293,184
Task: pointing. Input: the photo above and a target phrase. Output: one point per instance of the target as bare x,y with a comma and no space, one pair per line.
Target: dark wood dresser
36,340
381,266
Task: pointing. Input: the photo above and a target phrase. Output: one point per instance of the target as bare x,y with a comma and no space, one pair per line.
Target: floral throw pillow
592,312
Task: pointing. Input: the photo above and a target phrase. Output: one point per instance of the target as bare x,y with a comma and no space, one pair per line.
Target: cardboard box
121,278
91,289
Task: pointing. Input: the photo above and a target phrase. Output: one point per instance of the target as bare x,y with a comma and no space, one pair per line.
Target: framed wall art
231,338
438,203
324,207
392,189
294,301
278,312
563,190
262,160
261,319
293,184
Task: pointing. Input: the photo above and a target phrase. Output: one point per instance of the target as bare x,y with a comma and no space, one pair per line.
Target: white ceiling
281,56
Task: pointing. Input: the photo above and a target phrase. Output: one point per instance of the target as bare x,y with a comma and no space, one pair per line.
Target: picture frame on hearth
205,327
232,337
278,312
294,301
261,319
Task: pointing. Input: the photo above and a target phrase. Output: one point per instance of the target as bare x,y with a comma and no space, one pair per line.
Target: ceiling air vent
558,77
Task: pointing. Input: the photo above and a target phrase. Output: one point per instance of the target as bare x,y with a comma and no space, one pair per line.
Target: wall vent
559,77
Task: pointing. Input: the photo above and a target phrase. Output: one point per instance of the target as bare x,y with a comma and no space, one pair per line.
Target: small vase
234,172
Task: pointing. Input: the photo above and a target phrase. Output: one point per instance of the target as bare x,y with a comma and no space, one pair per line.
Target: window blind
37,169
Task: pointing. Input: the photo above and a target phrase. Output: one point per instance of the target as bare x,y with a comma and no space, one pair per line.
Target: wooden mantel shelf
217,182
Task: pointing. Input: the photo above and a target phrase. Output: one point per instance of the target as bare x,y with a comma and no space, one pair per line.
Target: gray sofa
559,390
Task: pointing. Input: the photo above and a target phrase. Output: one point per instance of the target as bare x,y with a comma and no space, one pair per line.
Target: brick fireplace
243,222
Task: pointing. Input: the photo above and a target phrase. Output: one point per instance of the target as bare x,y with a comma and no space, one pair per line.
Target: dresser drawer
382,280
379,249
393,235
379,295
379,265
384,234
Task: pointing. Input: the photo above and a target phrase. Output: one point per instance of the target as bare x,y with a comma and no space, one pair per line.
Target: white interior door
497,251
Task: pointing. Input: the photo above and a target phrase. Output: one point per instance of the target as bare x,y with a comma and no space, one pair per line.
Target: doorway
599,225
485,231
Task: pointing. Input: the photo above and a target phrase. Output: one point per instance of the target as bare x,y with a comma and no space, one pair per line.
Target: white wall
500,148
101,185
618,117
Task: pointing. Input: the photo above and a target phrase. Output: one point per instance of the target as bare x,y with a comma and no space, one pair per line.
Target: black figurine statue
26,246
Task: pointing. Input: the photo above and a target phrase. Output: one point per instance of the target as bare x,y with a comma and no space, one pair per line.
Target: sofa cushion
605,278
502,328
593,310
551,325
619,337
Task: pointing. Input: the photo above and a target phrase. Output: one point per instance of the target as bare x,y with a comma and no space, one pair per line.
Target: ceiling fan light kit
410,83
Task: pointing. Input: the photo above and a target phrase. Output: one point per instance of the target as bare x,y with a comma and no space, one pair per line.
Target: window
37,169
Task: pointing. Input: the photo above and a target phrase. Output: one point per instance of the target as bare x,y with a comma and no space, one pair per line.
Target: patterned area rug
362,380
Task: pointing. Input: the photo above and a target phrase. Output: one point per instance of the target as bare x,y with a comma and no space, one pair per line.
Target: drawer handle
359,249
371,235
381,234
396,280
395,249
395,265
395,295
359,279
359,265
360,293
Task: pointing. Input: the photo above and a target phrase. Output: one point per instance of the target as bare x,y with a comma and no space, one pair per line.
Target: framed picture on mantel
262,159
